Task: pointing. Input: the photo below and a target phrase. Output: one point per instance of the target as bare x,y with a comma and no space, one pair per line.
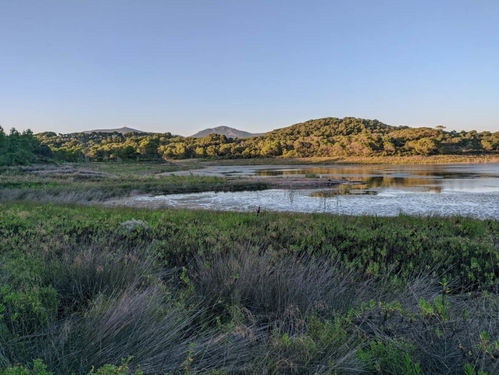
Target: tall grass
275,288
197,292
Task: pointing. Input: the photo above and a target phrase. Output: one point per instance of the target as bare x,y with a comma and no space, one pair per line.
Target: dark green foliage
390,358
39,368
327,137
22,148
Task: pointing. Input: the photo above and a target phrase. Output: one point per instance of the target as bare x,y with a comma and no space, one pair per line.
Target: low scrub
89,290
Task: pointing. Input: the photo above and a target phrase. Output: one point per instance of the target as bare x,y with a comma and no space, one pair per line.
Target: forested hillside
327,137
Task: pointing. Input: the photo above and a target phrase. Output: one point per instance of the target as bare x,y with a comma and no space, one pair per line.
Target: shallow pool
469,190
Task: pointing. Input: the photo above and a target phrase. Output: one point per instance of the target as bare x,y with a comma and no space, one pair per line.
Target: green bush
39,368
390,358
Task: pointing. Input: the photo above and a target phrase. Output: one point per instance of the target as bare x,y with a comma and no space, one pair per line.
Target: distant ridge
122,130
227,131
323,137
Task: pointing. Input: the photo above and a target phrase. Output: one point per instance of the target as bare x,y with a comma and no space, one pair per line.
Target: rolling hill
227,131
324,137
122,130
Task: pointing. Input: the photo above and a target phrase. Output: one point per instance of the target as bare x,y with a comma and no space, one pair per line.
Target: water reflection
469,190
432,171
429,178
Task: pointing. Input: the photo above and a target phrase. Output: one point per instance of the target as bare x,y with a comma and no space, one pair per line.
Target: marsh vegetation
203,292
96,182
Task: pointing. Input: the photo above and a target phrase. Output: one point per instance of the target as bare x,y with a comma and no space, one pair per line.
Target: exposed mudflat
299,182
257,173
231,170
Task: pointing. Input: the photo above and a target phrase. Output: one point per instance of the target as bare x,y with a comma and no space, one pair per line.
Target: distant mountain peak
122,130
227,131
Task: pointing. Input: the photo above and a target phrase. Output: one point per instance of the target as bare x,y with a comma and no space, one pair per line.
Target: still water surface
383,190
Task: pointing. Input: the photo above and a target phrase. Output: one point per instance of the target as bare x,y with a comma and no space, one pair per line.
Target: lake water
383,190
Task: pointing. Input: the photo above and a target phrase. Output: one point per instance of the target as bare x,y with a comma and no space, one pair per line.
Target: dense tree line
327,137
22,148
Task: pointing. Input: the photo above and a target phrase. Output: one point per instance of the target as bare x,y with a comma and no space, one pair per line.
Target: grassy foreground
84,288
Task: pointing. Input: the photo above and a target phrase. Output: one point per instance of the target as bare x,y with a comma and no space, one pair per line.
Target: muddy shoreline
297,182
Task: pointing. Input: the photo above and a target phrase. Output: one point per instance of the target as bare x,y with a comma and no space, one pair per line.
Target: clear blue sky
184,65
